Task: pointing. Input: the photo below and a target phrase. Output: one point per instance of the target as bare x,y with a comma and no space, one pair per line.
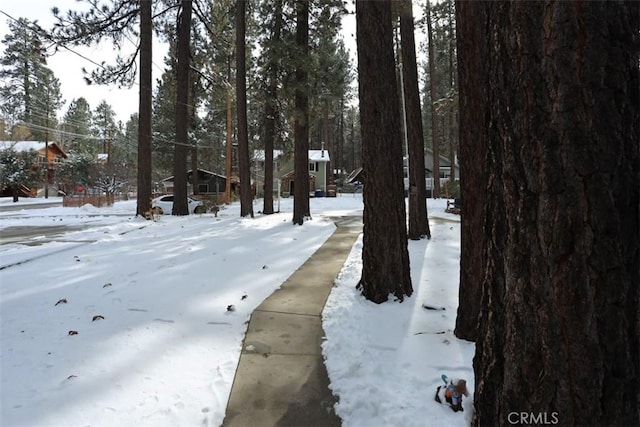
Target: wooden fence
81,200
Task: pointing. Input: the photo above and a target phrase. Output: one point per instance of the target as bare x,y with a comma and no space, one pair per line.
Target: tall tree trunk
192,119
385,271
418,220
452,145
271,110
472,81
301,125
180,206
453,142
143,203
352,139
192,113
244,167
559,325
229,144
340,164
433,81
325,140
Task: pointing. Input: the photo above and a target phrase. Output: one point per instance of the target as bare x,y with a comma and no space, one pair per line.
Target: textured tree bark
559,324
433,83
244,166
143,203
472,51
271,110
301,123
180,206
418,220
385,257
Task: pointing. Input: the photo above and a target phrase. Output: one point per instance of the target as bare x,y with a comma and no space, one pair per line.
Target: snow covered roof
314,155
24,146
201,172
319,155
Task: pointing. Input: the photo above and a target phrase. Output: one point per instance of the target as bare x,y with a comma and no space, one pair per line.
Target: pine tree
23,59
246,196
104,125
384,272
76,135
418,220
301,208
473,107
116,21
560,121
214,43
441,107
129,150
180,206
433,84
272,112
16,170
45,104
164,113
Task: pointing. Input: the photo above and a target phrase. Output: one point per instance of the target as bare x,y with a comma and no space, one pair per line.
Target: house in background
49,156
357,175
209,183
257,169
444,166
319,178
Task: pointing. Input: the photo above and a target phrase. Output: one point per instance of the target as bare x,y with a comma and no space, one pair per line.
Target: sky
67,66
165,355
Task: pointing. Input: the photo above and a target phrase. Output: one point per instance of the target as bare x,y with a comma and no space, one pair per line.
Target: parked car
165,203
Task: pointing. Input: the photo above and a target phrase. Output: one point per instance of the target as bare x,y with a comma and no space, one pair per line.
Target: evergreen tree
77,169
384,272
219,49
473,142
145,136
559,119
104,126
328,71
301,208
418,220
441,107
180,206
271,111
433,85
76,135
22,64
16,170
164,113
45,104
129,150
116,21
246,196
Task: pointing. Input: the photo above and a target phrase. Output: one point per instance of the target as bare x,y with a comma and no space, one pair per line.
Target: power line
59,45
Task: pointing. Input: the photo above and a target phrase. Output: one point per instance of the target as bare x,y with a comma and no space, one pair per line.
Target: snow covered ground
155,344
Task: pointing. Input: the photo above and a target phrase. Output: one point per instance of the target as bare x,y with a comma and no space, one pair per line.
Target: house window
313,166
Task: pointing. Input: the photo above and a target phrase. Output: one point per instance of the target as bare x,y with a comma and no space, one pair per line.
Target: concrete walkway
281,379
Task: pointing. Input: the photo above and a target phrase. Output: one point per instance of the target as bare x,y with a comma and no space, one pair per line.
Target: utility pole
46,157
